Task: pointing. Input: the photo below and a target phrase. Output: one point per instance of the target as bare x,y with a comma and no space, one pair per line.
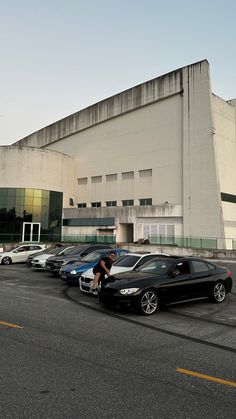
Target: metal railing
211,243
52,238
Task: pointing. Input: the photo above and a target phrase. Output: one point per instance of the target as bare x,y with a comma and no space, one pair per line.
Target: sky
60,56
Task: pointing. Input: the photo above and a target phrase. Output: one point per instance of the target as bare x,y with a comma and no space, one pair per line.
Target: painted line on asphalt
16,326
206,377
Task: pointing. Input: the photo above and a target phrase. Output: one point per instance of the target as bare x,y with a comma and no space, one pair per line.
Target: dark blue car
71,273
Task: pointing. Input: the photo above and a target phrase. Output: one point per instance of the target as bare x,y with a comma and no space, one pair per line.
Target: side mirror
175,272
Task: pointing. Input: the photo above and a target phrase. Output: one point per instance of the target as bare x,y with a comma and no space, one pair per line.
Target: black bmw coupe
166,280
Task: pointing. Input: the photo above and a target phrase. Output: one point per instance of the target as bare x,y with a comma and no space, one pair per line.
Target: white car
20,253
123,264
39,261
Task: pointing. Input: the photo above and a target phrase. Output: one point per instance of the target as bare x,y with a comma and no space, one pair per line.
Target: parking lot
64,353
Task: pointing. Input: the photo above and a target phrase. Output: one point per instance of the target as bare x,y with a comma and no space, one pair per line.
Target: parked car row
144,282
71,273
125,263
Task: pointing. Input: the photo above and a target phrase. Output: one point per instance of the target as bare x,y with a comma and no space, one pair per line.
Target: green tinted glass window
29,192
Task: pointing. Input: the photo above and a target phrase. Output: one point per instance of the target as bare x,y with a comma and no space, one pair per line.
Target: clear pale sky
60,56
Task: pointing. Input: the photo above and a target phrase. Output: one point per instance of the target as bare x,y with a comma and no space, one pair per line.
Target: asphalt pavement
63,355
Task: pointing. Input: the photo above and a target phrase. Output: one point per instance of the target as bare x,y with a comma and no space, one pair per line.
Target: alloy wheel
219,292
6,261
149,302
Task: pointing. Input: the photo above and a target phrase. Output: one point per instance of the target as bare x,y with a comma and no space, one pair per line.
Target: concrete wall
139,217
173,137
201,201
225,144
127,101
147,138
33,168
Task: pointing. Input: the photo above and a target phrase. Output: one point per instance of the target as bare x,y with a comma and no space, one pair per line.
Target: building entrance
31,232
126,233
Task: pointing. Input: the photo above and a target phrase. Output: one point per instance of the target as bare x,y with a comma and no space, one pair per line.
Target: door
18,255
178,286
31,232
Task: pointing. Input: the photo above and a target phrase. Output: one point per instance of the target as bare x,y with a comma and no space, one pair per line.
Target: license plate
63,275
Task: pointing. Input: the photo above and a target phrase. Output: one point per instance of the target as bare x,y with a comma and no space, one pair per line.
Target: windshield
94,256
126,261
76,250
54,250
67,251
156,266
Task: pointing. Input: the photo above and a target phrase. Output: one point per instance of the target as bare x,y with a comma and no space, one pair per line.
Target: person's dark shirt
100,269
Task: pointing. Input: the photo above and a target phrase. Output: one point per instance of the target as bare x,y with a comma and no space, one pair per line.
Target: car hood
64,258
41,256
78,267
89,273
130,278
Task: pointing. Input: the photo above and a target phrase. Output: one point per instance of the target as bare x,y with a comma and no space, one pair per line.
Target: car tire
6,261
148,303
218,293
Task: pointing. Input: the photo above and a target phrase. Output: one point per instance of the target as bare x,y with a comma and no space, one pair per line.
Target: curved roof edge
136,97
22,147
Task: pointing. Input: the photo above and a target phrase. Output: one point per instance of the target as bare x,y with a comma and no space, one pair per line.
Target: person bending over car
101,269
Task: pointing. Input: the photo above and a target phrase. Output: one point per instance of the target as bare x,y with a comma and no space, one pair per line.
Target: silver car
20,253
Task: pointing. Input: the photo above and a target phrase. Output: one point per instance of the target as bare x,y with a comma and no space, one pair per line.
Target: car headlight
73,272
128,291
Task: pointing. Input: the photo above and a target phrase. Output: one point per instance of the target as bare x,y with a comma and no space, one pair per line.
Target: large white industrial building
155,162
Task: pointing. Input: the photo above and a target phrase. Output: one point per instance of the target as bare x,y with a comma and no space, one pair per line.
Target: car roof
148,254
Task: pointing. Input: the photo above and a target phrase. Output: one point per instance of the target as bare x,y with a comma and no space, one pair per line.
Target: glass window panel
3,191
29,192
145,173
3,214
12,192
10,206
127,202
19,210
199,266
82,181
20,192
28,200
96,179
95,204
45,194
45,202
19,200
37,217
111,203
37,201
111,177
127,175
37,193
3,200
145,201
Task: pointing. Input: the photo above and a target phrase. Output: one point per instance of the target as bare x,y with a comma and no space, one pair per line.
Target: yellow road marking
11,325
206,377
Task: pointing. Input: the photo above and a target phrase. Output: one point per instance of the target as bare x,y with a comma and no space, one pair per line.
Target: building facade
154,162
